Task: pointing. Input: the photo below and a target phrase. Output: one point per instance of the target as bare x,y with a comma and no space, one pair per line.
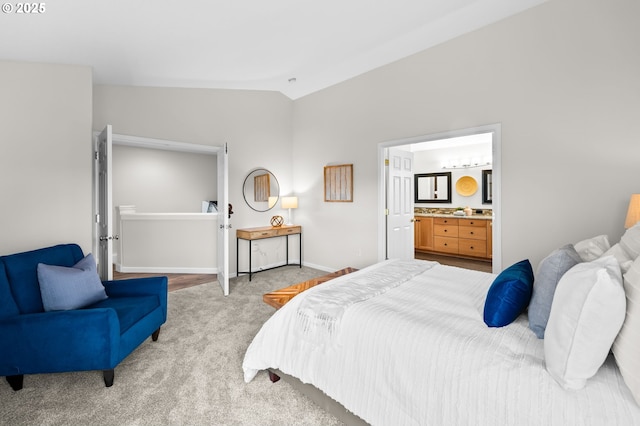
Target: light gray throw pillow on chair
549,272
65,288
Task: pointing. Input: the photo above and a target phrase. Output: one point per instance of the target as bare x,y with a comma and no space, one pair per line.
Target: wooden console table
261,233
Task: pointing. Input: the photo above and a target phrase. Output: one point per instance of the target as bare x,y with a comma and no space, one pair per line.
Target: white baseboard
320,267
165,270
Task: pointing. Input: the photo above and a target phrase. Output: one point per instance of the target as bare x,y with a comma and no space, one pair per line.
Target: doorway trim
496,141
163,144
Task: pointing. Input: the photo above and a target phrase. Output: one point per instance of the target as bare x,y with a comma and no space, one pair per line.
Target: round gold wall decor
277,221
466,186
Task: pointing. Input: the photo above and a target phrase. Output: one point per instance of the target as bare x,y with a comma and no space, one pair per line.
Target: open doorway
442,153
154,234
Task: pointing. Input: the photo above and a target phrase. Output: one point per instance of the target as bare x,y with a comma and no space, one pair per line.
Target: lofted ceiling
295,47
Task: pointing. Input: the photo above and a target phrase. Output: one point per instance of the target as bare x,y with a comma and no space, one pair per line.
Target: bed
405,343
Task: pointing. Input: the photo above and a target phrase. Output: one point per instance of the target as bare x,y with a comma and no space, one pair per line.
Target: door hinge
96,155
97,218
386,212
386,161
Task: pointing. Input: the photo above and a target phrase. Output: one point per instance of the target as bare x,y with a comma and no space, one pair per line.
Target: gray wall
561,78
45,156
159,181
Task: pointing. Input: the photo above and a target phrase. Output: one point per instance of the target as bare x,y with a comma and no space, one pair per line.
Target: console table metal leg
250,260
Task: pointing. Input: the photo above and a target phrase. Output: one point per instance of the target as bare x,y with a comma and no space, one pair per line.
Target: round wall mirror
261,190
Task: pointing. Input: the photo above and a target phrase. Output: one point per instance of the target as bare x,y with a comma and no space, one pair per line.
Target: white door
104,227
400,234
223,220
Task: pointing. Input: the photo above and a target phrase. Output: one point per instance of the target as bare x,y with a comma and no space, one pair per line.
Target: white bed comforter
419,353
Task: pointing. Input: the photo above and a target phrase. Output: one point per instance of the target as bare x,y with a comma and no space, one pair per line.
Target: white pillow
587,313
626,347
630,241
628,249
592,248
621,255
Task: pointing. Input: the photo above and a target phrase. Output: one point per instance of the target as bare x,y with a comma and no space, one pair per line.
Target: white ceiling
239,44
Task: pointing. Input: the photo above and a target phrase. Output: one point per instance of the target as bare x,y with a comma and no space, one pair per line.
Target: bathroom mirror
432,187
261,190
487,186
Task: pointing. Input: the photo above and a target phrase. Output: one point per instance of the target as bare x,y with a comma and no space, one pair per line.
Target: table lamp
289,203
633,214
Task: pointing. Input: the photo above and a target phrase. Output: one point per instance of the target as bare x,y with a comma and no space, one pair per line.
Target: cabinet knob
471,232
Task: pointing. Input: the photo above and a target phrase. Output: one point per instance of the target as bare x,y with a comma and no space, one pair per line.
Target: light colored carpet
191,376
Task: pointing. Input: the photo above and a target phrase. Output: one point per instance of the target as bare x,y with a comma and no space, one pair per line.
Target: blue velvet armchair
99,336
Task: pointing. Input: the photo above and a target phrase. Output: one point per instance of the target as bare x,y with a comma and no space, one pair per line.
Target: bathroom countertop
473,216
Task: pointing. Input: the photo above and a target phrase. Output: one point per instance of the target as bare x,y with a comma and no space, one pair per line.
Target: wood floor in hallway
477,265
176,281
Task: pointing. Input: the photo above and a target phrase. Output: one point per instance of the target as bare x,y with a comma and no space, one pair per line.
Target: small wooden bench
279,298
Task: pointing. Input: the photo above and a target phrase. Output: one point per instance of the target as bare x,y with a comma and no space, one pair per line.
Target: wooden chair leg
155,335
108,377
16,382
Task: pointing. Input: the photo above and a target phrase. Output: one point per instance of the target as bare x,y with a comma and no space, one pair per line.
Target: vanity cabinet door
489,239
423,233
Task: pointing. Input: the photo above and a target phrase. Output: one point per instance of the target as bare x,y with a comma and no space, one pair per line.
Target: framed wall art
338,183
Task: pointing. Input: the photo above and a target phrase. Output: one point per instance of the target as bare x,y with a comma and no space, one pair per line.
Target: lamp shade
633,214
289,202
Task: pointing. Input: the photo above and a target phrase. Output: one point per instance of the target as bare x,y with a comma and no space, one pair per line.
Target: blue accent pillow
549,272
509,294
65,288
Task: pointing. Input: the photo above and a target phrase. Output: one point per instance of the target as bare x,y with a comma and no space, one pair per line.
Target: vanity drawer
445,221
481,223
473,232
445,230
445,244
476,248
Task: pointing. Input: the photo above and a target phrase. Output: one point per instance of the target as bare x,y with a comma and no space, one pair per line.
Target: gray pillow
65,288
549,272
592,248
